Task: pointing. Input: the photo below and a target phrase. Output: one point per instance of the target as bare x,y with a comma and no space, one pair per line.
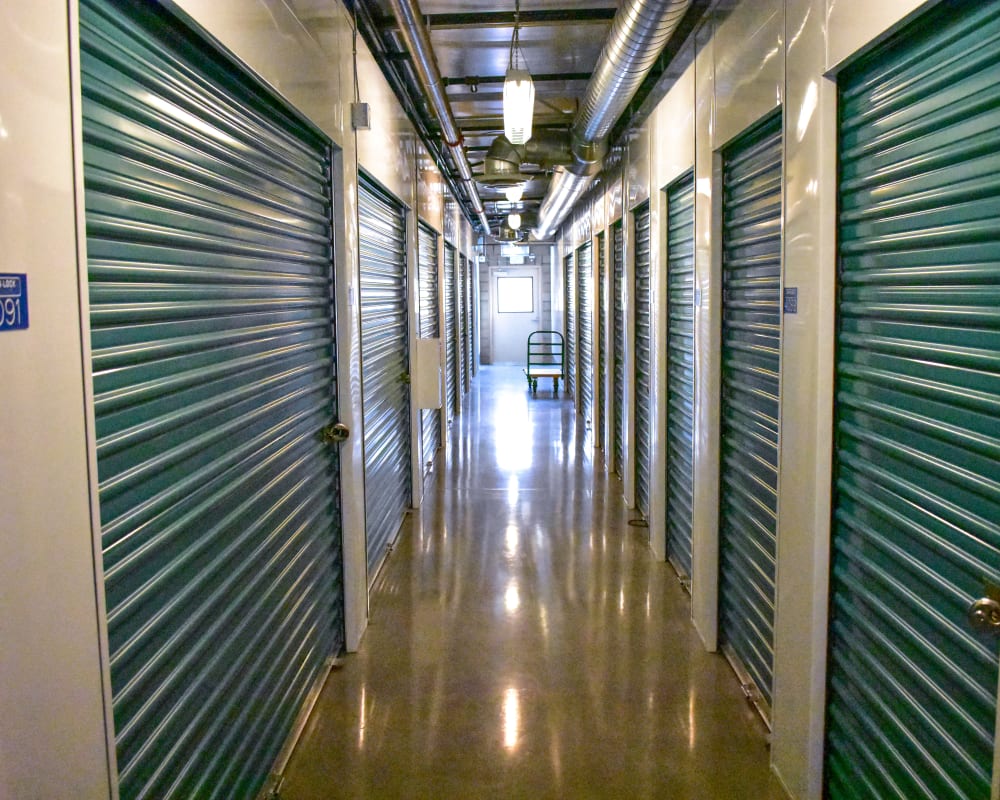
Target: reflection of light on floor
512,598
511,718
513,491
621,602
362,722
512,432
511,540
691,729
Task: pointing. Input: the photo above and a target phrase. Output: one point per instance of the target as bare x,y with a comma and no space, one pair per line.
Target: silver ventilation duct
418,42
639,32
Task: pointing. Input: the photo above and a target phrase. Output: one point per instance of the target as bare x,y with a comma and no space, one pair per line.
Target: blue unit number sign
13,301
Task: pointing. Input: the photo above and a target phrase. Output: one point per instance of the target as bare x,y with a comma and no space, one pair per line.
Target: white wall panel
615,196
673,132
54,735
637,168
856,24
806,407
672,138
705,502
749,66
430,190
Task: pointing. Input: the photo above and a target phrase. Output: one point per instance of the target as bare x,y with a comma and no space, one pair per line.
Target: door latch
335,433
984,613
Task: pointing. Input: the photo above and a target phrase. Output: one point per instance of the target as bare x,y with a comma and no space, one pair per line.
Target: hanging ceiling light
514,193
514,221
518,89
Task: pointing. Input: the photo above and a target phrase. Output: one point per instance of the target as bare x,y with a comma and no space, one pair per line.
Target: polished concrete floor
523,642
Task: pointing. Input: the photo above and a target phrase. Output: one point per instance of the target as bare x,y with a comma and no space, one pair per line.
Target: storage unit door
751,339
618,354
384,368
680,371
643,360
585,278
452,401
916,531
602,345
430,328
209,246
460,323
466,323
569,293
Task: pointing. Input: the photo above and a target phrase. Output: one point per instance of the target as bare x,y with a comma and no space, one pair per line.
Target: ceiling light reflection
512,598
362,721
511,718
511,540
512,432
691,728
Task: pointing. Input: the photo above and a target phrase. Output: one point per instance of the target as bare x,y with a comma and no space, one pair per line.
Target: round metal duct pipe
418,43
638,34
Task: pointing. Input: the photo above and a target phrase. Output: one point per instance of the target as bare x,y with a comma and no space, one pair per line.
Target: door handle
984,613
335,433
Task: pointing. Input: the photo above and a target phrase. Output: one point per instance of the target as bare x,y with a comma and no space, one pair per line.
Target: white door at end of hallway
515,311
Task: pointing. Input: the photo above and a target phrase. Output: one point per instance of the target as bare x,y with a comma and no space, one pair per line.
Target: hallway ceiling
561,41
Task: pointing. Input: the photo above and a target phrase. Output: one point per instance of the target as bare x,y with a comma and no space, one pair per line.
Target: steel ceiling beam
543,77
493,123
505,19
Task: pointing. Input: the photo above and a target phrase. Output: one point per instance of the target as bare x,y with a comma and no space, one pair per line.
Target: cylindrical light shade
518,105
514,221
514,193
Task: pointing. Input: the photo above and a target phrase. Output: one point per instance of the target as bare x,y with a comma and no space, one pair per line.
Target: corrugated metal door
461,323
209,247
643,359
430,328
602,346
385,368
751,340
618,353
569,295
452,401
467,320
916,530
585,277
680,370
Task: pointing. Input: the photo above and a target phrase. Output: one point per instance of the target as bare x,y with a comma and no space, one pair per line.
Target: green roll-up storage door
618,353
585,277
460,327
680,371
466,311
385,368
916,529
602,346
430,328
751,341
453,401
209,246
643,359
470,333
569,293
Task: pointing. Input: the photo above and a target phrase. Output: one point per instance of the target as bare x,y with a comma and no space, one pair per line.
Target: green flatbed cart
545,359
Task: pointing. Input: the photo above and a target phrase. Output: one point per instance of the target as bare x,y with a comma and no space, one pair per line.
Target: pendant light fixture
514,193
518,89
